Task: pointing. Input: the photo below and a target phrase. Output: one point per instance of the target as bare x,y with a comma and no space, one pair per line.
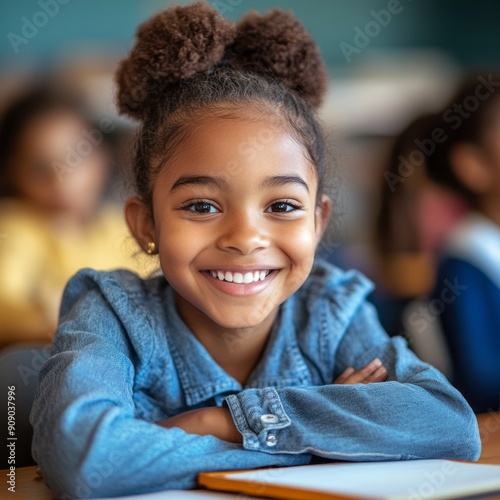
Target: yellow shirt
38,256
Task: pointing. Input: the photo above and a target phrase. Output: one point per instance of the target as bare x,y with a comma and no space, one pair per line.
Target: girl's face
236,221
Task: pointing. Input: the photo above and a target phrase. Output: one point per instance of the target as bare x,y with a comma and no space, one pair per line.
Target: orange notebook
397,480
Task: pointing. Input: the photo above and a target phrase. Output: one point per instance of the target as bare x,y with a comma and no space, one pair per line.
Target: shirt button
270,419
271,440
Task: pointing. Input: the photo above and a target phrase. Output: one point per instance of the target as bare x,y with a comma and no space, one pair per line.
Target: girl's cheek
301,246
303,238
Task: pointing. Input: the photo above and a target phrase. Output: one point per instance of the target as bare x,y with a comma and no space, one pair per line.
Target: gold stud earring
151,248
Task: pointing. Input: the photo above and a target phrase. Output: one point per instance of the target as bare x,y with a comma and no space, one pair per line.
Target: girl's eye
283,207
200,207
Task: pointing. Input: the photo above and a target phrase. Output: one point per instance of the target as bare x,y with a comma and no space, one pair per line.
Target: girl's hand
213,421
372,372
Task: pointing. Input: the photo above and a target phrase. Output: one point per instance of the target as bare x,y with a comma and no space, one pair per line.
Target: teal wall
467,30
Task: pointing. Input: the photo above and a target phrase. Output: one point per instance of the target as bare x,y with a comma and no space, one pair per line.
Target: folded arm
218,422
88,441
416,413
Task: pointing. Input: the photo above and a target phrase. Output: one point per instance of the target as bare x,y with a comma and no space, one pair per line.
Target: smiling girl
228,359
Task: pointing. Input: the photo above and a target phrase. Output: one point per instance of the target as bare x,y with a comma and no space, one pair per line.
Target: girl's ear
140,221
470,166
321,216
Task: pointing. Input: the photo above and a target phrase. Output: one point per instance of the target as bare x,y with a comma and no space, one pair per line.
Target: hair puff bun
176,43
277,43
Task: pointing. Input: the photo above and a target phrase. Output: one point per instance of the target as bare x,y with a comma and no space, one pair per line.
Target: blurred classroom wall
465,30
388,59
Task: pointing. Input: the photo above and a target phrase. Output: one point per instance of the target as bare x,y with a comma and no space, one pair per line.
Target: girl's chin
237,324
242,321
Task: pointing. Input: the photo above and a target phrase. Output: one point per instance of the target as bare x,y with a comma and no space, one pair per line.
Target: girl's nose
243,234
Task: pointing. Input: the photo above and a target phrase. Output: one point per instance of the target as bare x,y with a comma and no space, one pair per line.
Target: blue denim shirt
123,359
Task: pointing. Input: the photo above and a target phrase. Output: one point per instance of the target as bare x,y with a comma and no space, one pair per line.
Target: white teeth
240,278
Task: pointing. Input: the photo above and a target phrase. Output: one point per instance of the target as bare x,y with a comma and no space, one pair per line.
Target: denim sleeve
416,413
87,439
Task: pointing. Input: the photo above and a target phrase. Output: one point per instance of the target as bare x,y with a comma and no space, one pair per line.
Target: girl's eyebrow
206,180
283,180
200,180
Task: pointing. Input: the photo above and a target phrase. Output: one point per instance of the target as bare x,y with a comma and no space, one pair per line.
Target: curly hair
470,129
189,60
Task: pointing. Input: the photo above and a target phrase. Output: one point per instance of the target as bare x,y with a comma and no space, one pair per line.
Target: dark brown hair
469,125
464,119
189,61
396,227
35,102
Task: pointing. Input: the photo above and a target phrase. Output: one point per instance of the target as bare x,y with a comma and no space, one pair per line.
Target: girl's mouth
238,283
240,278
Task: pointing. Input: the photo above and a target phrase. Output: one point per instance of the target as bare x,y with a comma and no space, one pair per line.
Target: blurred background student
468,277
438,239
54,168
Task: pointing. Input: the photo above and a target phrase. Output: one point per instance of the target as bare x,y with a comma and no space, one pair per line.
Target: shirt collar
476,239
